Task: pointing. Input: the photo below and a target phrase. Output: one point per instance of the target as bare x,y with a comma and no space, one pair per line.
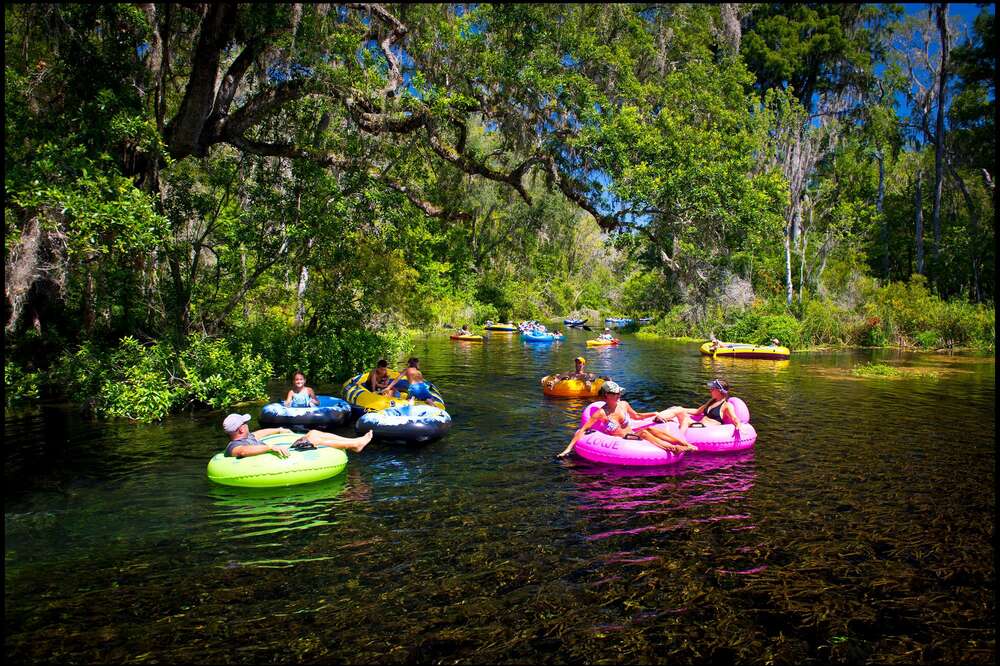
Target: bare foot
364,439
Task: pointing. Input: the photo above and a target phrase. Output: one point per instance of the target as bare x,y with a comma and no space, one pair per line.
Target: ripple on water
860,527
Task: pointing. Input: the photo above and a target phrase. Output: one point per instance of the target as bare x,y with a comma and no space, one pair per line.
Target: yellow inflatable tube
356,392
570,388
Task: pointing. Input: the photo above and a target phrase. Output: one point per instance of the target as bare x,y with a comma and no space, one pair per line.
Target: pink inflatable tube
601,447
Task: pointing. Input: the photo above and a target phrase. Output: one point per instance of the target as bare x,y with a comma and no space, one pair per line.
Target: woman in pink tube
713,413
615,418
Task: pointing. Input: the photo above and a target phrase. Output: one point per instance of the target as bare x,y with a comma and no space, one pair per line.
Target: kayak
329,413
740,350
409,424
268,470
467,338
361,399
602,343
570,388
574,322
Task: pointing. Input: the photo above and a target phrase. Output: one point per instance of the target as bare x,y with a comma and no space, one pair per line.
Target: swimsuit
610,426
715,413
420,391
301,399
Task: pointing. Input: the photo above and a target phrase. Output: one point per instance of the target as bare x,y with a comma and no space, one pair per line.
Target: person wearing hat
586,377
713,412
243,443
615,418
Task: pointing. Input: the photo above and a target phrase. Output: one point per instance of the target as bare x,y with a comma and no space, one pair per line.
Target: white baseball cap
234,421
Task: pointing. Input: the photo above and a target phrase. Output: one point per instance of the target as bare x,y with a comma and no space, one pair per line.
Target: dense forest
199,197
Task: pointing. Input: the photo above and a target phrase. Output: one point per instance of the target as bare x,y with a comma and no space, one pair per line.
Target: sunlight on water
865,512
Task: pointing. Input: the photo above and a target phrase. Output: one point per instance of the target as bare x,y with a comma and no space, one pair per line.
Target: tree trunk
88,317
941,12
789,233
918,244
879,204
731,29
976,291
300,293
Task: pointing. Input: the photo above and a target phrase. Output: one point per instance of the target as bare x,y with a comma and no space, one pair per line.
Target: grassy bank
903,315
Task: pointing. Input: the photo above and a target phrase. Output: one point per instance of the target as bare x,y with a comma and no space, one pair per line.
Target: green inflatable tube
268,470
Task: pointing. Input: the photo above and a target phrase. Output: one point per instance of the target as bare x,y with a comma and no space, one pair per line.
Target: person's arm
269,431
637,415
288,398
728,409
392,384
313,399
259,449
594,418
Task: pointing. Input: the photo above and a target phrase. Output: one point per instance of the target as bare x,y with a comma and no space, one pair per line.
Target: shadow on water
859,530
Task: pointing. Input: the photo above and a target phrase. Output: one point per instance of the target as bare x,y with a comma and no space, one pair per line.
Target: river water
859,529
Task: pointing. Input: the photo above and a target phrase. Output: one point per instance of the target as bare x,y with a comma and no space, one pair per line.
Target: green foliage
116,230
20,385
822,323
901,311
927,339
217,377
785,328
875,370
323,357
147,382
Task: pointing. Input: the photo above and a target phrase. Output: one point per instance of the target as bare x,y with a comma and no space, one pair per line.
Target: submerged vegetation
196,192
890,372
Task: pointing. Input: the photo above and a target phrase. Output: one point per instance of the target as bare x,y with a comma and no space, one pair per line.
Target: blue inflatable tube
532,336
330,413
409,424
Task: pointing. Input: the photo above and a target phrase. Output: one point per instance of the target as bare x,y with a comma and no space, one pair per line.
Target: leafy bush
328,356
824,323
147,382
19,384
743,327
217,377
928,339
785,328
485,312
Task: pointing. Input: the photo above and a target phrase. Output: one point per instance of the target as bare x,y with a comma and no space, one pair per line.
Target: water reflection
858,515
663,497
244,513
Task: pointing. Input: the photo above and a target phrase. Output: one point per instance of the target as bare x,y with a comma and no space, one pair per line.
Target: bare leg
684,421
672,413
647,436
667,438
319,438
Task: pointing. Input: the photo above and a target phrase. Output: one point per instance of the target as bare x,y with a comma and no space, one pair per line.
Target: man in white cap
243,443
